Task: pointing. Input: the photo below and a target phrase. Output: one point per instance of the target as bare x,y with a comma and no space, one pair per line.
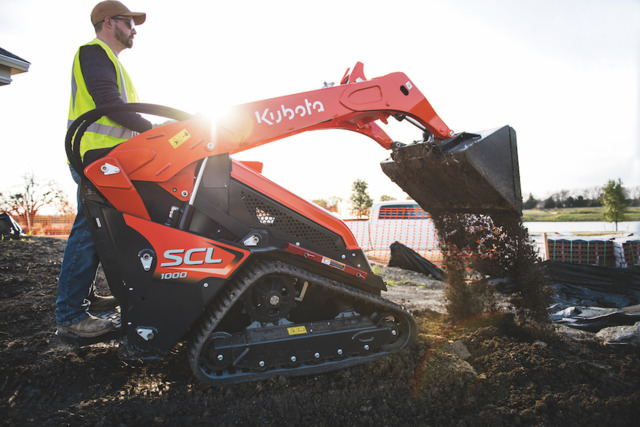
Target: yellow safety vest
104,133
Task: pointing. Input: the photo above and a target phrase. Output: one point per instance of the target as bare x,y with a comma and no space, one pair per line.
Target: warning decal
179,139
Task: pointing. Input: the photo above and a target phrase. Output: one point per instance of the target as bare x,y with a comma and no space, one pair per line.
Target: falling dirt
479,246
487,371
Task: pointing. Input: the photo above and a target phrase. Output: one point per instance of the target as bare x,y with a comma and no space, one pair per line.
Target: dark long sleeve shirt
100,77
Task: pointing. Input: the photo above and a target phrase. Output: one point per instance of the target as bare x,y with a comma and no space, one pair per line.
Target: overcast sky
564,73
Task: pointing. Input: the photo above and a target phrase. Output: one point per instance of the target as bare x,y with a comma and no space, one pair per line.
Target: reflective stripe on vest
104,133
106,130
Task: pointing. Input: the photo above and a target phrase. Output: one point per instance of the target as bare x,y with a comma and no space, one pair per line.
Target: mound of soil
486,372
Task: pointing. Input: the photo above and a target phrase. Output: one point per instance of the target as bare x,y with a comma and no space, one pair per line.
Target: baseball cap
115,8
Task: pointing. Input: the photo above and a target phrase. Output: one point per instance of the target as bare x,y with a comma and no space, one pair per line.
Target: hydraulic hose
81,124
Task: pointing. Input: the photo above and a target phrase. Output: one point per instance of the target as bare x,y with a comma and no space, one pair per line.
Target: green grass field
574,214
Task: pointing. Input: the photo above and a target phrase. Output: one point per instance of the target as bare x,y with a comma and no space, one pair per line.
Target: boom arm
353,105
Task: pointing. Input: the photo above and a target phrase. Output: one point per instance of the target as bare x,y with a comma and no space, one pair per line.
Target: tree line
613,197
582,198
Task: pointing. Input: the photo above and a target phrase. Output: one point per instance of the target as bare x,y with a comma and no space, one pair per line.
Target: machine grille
267,214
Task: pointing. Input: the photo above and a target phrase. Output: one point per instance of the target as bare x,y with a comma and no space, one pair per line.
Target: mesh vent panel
274,217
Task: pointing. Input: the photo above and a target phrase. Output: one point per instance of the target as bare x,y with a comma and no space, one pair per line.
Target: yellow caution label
296,330
179,139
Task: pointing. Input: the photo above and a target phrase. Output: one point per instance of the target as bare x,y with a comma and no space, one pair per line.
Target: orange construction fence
47,225
408,225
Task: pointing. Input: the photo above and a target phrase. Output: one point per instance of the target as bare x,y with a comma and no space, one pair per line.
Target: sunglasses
127,21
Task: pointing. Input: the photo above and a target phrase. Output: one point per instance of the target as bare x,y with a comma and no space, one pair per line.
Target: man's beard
123,38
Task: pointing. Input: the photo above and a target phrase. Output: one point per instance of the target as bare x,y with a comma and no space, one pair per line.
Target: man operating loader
98,79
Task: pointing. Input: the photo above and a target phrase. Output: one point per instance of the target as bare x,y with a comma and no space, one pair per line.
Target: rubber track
232,293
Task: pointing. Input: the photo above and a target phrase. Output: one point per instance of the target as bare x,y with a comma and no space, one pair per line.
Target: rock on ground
621,335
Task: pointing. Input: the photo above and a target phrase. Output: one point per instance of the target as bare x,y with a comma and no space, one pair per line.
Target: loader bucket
469,173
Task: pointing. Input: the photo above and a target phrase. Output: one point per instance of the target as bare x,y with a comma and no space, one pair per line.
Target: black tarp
8,227
403,257
591,298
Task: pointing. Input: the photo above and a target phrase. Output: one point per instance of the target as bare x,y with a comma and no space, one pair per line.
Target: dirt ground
484,372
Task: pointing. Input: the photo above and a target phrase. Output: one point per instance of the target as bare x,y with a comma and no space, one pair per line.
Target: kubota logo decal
191,257
271,117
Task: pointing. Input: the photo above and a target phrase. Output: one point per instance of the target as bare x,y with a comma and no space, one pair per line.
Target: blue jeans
78,272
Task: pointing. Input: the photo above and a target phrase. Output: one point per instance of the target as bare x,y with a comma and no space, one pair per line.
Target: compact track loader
197,245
